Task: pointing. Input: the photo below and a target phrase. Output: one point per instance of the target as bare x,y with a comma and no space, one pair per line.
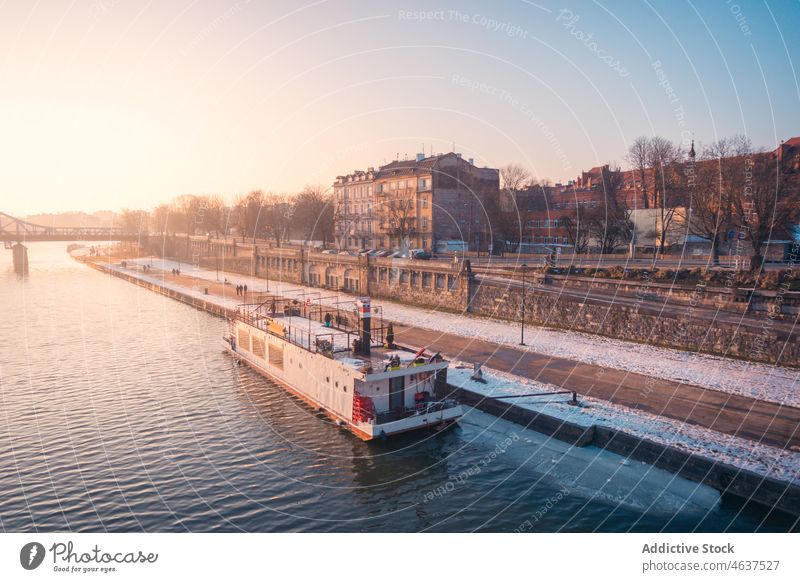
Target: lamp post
522,318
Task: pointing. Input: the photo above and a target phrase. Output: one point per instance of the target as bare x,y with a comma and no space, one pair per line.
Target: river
120,412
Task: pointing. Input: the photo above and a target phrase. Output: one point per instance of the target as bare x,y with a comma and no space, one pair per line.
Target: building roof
409,167
792,142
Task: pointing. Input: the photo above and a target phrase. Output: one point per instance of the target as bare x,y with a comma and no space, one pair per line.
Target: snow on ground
761,381
733,450
736,451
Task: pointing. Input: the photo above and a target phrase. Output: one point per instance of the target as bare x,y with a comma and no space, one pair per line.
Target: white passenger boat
341,362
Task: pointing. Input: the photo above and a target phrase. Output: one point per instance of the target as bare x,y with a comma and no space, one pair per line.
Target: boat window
258,347
276,356
244,339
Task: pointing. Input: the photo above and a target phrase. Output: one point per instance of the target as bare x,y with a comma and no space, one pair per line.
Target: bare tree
768,204
706,212
399,214
247,213
135,220
313,213
216,214
514,177
639,158
276,217
610,225
161,219
664,160
578,231
189,207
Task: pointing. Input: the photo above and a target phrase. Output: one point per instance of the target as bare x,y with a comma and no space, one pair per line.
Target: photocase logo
31,555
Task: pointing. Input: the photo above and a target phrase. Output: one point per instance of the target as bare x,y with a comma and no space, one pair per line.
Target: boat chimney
364,320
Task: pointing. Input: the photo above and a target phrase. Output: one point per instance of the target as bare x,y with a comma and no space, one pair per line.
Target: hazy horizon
107,104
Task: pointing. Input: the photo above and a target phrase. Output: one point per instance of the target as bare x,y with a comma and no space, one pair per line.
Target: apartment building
354,212
415,203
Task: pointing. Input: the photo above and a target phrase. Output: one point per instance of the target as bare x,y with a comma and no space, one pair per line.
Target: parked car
420,255
329,252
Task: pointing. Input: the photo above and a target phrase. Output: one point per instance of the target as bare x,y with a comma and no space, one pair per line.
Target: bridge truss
18,230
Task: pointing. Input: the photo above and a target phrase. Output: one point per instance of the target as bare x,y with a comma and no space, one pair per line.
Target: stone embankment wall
452,287
684,331
727,479
781,304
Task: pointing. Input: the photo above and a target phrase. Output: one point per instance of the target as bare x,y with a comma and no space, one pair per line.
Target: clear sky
107,104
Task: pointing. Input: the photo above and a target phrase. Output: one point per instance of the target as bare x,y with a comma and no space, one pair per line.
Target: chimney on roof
471,161
420,157
364,317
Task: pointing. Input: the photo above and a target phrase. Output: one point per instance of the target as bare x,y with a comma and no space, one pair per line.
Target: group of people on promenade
241,289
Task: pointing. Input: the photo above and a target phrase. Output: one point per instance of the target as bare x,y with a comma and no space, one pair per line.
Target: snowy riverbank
761,381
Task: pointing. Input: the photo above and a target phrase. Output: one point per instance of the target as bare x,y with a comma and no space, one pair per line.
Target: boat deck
335,342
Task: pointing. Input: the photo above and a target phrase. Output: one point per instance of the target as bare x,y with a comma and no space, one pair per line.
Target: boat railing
420,409
327,343
273,314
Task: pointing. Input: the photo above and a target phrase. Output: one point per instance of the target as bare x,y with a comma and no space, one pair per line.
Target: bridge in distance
14,229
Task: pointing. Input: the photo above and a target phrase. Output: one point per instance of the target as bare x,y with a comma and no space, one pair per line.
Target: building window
423,183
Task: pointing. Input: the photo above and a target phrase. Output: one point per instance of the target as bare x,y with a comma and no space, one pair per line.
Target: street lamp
522,318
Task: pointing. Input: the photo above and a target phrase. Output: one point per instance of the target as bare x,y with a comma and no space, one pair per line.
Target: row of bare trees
729,194
256,215
607,226
751,194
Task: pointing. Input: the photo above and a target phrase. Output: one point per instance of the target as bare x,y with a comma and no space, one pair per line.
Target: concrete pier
20,252
728,480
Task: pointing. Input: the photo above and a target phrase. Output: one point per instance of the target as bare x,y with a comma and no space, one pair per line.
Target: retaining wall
729,480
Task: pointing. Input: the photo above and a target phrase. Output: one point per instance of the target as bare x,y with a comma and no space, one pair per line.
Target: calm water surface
119,412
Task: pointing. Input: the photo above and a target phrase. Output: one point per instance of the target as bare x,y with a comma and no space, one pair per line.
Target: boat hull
366,431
